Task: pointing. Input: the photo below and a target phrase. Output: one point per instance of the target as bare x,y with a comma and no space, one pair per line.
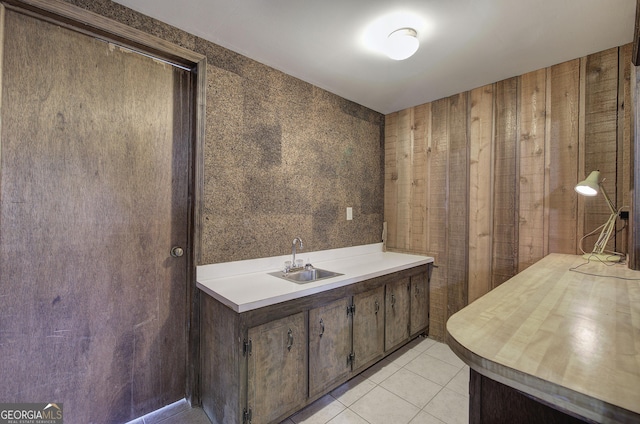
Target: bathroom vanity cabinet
262,365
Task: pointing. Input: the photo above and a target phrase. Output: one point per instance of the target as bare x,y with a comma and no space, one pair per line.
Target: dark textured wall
282,158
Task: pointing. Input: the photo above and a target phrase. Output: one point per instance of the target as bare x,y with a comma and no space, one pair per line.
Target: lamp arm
607,230
609,202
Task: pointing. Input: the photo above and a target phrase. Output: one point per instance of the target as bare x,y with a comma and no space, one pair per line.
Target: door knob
177,251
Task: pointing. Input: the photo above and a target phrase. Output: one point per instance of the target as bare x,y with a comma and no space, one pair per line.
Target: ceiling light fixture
402,43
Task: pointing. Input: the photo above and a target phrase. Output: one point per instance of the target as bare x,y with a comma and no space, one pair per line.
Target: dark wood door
277,368
419,303
94,178
329,345
397,303
368,327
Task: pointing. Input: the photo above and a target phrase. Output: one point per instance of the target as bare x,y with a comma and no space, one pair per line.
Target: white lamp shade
402,43
590,186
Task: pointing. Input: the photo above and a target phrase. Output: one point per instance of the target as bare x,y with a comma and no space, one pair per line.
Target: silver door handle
177,251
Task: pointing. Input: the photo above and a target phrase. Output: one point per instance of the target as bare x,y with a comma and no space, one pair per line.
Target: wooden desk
570,340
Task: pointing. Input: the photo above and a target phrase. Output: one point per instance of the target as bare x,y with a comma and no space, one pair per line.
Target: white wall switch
349,214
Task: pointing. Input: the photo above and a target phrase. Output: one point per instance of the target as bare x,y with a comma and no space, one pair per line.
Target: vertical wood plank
480,190
458,217
428,219
532,104
634,216
390,176
418,227
601,105
563,154
438,209
547,160
505,228
404,166
625,162
580,200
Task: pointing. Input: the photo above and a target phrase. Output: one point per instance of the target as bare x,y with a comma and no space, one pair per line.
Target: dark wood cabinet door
397,304
329,344
277,368
368,326
419,303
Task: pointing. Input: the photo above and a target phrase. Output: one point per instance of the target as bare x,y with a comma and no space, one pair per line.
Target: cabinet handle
376,307
393,300
417,290
290,336
321,327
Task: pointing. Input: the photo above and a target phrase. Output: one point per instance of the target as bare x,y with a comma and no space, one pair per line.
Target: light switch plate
349,214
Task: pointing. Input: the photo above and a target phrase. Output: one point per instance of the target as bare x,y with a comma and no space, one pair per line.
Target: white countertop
246,285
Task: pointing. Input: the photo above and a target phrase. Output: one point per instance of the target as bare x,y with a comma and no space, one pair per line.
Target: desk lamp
590,187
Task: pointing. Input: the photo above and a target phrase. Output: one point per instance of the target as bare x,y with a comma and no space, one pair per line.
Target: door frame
83,21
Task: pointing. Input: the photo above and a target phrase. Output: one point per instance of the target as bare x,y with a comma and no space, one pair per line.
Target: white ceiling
464,43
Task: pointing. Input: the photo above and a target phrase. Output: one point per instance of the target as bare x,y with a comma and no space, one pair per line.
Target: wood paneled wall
483,180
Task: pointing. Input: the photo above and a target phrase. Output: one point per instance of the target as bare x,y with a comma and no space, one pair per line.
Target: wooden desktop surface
567,338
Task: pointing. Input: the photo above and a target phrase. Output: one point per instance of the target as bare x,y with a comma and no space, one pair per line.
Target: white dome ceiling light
402,43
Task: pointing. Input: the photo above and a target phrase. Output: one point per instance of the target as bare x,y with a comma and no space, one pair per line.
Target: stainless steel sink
305,275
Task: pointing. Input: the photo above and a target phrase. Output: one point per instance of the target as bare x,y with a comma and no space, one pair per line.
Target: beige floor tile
433,369
424,418
414,343
460,383
380,406
353,390
177,413
403,356
411,387
443,352
319,412
423,344
191,416
391,392
450,407
348,417
381,371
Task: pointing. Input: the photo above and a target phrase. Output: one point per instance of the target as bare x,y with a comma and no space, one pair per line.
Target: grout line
442,387
400,367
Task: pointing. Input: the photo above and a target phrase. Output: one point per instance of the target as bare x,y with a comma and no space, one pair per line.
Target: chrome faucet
293,251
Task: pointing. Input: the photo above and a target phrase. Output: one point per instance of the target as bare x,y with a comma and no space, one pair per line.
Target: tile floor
177,413
422,383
